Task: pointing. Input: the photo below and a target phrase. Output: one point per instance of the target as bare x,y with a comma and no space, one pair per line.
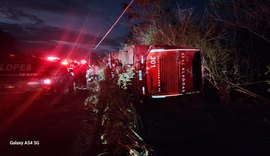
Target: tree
252,16
228,60
243,26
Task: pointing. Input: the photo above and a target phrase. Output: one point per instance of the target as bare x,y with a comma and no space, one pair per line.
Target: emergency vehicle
24,74
164,71
78,69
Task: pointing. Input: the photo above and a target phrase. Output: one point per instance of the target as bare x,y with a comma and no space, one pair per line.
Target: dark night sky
65,27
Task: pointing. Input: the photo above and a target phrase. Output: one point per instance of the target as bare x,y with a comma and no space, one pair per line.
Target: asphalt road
45,126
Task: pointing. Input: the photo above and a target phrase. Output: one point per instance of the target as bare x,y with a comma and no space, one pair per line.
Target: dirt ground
207,125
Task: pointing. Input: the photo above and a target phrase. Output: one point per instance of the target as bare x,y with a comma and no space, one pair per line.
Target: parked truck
163,70
25,74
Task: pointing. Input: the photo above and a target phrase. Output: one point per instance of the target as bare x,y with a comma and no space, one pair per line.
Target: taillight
47,81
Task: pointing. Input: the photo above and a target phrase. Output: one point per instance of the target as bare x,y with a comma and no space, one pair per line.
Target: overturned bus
163,70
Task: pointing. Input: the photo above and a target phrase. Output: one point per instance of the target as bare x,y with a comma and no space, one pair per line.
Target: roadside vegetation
112,125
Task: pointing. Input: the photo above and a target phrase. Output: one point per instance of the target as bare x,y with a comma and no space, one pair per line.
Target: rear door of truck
16,72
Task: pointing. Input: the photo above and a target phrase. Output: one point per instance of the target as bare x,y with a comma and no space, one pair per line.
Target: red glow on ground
19,111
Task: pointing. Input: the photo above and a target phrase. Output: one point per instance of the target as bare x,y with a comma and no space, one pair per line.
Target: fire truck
164,71
29,74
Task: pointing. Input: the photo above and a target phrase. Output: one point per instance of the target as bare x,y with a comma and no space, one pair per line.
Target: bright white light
47,81
53,58
140,75
167,50
143,90
65,62
164,96
83,61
